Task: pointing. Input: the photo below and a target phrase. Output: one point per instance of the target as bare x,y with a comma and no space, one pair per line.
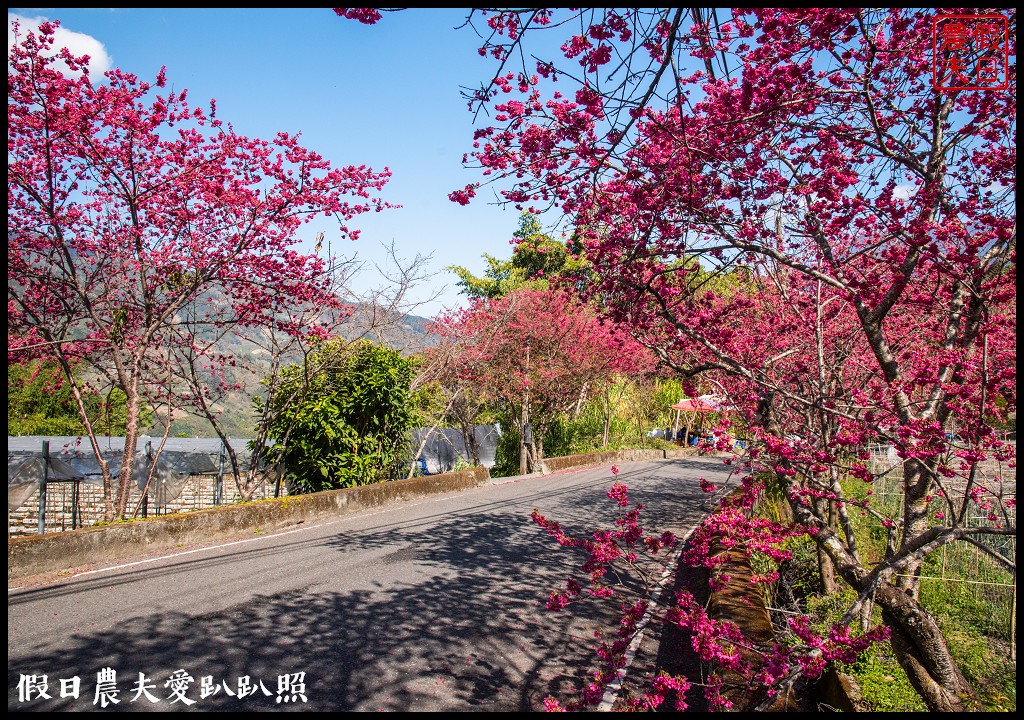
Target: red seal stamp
970,52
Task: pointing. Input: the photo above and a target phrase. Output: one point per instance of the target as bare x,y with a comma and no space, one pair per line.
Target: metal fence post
42,487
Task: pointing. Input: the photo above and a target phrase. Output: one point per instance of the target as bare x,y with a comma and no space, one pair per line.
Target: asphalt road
434,605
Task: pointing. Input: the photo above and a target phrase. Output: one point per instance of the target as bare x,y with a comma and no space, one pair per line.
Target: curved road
433,605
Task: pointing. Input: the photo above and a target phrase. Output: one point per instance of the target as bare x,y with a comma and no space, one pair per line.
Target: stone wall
65,511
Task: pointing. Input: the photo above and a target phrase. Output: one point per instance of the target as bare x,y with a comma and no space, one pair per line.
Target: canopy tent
702,404
693,406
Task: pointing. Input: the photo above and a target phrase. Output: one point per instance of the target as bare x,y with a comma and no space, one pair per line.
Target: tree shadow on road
464,627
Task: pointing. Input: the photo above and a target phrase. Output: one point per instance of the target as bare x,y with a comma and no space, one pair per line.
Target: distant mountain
408,334
419,325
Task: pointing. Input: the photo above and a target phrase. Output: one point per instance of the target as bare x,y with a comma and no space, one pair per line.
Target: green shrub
346,414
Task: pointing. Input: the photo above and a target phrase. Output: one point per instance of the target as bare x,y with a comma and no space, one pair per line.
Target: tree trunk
917,640
534,453
579,401
419,451
826,570
917,481
472,447
131,441
524,453
923,654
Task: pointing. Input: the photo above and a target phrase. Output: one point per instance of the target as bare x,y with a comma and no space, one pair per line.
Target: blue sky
381,95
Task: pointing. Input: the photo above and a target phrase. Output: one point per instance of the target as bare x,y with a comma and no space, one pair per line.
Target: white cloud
78,43
905,191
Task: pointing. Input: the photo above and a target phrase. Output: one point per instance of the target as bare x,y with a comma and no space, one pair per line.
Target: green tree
351,421
40,402
536,262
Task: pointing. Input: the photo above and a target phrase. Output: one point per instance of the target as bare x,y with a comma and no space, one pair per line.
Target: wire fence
977,578
958,577
73,504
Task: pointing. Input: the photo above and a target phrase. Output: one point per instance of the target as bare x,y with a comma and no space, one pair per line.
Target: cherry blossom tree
128,208
533,353
817,155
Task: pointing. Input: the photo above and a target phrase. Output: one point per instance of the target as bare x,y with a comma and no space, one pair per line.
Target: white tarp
73,459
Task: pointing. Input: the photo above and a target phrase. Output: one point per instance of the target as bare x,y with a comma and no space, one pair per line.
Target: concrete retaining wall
197,494
609,456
